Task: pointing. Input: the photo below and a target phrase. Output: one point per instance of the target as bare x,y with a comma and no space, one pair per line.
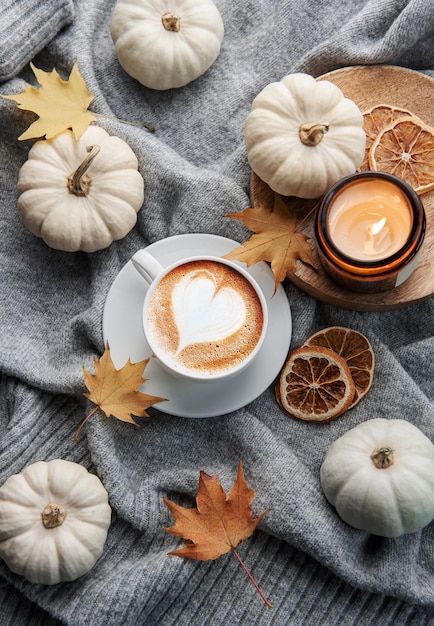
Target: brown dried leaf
219,523
276,239
115,391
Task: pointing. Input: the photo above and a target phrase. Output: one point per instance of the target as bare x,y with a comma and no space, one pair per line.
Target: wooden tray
367,86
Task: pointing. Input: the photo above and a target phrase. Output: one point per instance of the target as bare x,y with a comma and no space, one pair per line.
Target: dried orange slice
376,119
406,148
355,349
315,384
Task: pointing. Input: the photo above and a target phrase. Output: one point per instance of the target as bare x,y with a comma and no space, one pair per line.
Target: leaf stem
269,605
117,119
77,433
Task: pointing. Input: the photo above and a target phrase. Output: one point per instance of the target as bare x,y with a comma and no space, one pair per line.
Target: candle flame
376,235
377,227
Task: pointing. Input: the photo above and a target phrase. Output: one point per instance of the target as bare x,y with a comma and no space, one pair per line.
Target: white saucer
122,328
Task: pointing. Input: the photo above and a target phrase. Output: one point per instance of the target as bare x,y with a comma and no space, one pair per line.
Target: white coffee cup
204,317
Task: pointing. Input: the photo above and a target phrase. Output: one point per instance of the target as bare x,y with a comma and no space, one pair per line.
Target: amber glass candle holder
369,228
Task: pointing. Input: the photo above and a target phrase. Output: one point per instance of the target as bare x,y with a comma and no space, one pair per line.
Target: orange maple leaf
276,239
219,523
115,391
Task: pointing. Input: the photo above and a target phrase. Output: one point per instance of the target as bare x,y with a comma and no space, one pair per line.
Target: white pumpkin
303,135
54,518
163,44
80,195
380,477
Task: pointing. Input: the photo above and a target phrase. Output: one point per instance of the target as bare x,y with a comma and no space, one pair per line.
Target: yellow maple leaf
60,104
115,391
276,239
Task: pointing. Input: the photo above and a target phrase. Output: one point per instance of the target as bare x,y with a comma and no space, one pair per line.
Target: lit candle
370,219
369,229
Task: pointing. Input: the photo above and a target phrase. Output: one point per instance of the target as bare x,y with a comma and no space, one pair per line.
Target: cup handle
147,266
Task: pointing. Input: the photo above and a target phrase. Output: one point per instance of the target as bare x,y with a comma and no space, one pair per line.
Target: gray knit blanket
313,568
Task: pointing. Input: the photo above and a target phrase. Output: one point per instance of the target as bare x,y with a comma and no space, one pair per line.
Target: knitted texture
313,567
27,27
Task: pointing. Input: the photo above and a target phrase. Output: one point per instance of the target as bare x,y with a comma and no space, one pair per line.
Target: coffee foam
205,317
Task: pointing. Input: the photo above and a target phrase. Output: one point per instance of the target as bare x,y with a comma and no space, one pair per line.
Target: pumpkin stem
382,458
79,181
171,22
53,515
312,134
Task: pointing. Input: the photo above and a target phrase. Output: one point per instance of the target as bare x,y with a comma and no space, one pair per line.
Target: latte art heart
203,312
204,318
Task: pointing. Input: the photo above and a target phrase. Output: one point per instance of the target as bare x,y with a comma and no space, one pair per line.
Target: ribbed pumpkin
165,45
380,477
303,135
54,518
80,195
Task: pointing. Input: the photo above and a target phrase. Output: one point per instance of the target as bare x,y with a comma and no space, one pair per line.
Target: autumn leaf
219,523
60,104
276,239
114,392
